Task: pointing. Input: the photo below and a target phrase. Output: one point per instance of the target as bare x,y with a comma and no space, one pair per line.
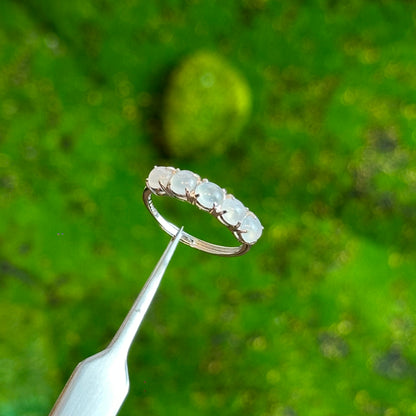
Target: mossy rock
207,103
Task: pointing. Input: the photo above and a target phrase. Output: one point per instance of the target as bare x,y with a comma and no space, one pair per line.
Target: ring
207,196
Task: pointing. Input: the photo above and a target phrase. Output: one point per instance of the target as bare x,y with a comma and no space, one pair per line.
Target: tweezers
100,383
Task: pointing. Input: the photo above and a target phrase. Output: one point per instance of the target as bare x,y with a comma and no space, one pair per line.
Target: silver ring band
207,196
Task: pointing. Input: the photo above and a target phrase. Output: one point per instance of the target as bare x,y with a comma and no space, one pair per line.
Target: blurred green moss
207,103
27,368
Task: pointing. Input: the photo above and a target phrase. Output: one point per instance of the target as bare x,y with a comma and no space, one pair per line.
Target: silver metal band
207,196
188,239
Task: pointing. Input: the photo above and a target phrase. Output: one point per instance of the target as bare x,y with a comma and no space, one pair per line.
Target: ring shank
188,239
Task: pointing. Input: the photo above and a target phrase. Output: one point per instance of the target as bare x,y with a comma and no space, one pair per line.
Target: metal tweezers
100,383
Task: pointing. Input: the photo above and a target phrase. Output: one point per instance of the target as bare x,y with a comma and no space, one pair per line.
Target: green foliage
207,103
28,365
318,318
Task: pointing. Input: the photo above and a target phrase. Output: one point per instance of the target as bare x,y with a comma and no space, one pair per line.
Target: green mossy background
205,107
319,317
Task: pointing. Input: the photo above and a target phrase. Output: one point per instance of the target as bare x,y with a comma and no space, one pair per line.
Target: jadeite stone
235,211
209,194
253,228
182,181
159,174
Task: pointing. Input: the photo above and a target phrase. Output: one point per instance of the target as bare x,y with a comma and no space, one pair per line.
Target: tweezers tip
178,235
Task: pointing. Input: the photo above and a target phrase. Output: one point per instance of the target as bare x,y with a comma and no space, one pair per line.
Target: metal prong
191,196
236,227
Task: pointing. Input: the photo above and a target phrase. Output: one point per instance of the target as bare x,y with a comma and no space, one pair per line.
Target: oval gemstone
183,181
209,194
159,175
235,211
252,227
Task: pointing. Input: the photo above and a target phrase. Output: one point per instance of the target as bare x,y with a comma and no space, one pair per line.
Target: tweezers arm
100,383
127,331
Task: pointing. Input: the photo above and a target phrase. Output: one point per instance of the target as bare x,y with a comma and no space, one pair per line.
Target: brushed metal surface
100,383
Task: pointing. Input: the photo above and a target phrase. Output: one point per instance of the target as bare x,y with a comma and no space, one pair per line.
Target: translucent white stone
253,228
159,174
183,181
209,194
235,211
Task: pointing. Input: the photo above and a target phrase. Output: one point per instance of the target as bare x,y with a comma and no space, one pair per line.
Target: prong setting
209,197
